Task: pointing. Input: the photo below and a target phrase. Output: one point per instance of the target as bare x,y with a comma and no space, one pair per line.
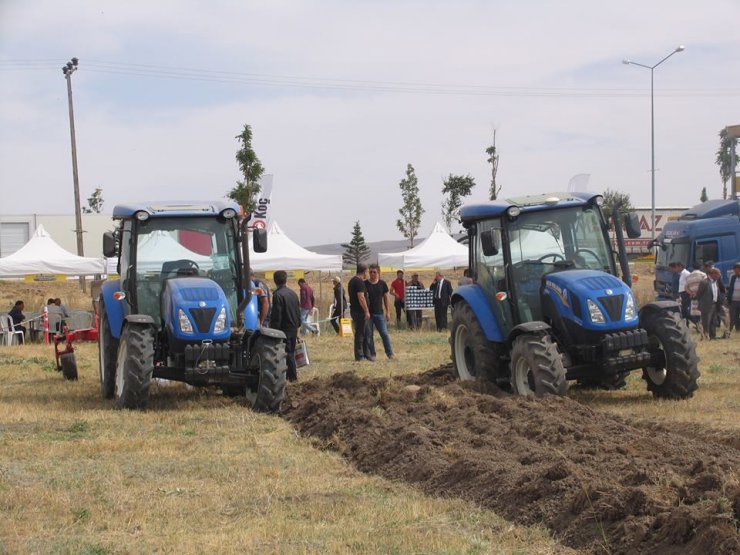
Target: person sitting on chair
16,314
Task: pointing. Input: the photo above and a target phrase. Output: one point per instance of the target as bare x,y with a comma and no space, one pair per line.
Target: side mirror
109,244
488,243
632,225
259,240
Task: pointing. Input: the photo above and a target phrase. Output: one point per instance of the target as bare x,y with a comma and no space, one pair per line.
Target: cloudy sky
341,95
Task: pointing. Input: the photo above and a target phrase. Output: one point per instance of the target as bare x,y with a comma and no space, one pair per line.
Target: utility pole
68,70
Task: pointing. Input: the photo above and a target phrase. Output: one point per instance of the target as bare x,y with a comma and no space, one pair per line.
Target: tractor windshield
673,251
178,247
547,240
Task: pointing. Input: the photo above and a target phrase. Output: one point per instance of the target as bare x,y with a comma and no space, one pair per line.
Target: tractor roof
168,209
531,203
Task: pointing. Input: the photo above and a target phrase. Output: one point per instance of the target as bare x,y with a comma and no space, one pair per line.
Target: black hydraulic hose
622,252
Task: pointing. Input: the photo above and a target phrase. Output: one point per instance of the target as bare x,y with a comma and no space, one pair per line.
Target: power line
355,85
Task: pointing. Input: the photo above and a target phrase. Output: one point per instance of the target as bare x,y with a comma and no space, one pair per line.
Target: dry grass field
201,473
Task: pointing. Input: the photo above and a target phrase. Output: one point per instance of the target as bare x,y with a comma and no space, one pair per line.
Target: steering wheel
592,253
182,267
555,256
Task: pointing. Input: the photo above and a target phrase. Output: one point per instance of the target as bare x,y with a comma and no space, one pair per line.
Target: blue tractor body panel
571,290
201,301
476,298
115,310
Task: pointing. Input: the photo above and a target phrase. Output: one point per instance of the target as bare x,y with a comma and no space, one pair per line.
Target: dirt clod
599,482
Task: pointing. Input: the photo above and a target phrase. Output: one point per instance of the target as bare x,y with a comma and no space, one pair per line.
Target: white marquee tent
439,250
283,254
42,255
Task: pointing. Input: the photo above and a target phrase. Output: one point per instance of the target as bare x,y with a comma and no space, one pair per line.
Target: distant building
17,229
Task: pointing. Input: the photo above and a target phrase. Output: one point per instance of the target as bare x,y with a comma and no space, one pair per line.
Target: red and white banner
261,214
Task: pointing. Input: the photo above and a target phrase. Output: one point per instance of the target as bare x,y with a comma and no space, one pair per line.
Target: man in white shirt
684,296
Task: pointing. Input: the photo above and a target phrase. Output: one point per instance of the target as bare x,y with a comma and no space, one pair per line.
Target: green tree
94,202
616,201
704,197
493,160
455,187
356,250
724,159
411,210
247,189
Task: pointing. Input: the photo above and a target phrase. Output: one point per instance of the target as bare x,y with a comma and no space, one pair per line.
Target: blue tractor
184,307
546,305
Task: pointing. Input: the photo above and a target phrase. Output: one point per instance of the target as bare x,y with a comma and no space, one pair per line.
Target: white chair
8,335
314,318
80,319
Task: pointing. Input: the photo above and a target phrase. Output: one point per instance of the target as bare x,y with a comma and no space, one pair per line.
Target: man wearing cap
340,303
733,298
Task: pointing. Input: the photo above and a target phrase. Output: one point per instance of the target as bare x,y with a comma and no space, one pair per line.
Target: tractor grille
613,306
203,318
194,294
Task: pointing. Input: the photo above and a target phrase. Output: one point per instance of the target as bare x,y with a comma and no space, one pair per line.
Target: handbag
301,354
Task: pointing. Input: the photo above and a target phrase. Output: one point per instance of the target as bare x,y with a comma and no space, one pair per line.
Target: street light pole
68,69
652,133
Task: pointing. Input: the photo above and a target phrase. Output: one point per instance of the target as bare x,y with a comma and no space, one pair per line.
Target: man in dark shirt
286,316
442,296
16,313
360,313
380,310
340,303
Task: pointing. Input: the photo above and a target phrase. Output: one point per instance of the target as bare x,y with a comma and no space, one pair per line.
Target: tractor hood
196,309
595,300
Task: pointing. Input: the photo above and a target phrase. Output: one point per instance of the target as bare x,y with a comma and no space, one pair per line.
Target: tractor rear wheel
268,358
69,366
473,355
678,374
107,351
134,367
537,367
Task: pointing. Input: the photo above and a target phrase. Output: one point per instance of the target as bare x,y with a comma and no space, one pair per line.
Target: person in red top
398,292
307,302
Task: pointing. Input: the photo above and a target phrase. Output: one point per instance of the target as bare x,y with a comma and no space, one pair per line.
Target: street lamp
68,69
652,131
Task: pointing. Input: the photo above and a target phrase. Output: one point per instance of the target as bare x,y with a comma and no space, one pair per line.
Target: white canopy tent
439,250
283,254
42,255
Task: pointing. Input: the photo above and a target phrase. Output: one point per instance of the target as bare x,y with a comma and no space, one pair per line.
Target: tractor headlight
220,321
185,325
630,312
594,312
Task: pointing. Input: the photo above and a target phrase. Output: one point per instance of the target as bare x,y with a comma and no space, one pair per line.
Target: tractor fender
115,309
142,319
476,299
536,328
659,306
272,333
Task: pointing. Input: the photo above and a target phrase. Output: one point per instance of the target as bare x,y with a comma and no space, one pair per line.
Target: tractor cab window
552,240
490,272
673,251
180,247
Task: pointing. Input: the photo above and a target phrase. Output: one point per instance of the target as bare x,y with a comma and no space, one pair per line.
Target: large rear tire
537,367
473,356
677,377
134,367
268,357
107,351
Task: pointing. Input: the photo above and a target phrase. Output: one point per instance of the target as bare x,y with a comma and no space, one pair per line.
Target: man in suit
733,298
708,296
442,295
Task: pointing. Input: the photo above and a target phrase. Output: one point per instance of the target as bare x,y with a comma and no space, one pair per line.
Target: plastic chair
79,320
314,318
7,331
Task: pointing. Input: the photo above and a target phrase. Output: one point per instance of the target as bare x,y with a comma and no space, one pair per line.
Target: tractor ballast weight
547,305
184,308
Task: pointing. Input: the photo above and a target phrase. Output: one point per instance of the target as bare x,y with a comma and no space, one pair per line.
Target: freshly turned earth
599,482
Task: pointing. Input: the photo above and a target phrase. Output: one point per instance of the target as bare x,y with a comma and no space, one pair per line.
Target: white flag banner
261,214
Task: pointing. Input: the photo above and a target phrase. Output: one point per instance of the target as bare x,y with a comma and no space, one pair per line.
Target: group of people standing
712,296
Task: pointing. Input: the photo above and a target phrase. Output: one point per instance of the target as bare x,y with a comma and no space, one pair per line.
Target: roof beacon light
228,213
599,200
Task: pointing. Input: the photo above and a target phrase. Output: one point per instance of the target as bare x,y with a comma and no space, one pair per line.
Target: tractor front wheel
268,358
472,354
677,375
134,367
537,367
107,350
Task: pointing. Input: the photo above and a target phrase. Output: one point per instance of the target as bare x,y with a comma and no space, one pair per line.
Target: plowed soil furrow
599,482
